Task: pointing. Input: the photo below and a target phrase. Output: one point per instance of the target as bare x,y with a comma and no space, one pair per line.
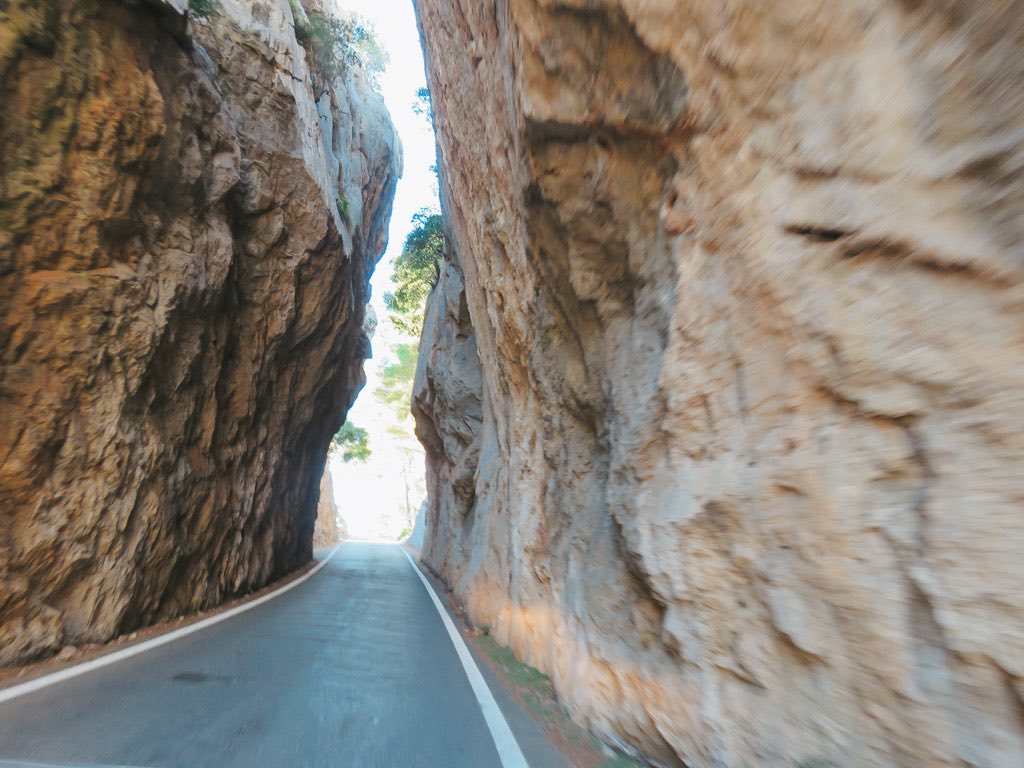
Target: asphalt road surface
353,667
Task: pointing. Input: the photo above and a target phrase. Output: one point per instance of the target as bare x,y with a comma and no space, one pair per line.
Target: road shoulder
547,736
73,656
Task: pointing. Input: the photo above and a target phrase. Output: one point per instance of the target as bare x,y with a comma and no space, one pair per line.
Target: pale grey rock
329,527
415,539
737,460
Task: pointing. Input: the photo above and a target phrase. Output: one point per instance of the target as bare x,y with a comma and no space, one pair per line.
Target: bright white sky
372,497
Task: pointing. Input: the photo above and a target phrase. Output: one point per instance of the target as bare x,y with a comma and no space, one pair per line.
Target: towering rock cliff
186,235
723,384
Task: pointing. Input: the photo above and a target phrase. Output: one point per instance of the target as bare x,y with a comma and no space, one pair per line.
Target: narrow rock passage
351,668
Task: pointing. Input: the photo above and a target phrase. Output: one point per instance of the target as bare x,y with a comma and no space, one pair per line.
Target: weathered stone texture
738,458
181,302
329,529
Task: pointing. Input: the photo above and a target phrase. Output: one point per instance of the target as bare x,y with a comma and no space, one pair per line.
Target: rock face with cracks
722,387
186,235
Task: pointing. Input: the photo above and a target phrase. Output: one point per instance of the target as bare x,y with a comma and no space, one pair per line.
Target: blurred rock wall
722,387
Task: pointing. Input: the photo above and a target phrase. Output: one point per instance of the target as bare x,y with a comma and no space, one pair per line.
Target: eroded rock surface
723,385
329,529
186,236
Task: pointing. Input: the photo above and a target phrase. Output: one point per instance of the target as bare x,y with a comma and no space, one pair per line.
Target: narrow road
353,667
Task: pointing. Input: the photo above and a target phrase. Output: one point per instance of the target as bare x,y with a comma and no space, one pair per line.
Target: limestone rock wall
186,235
722,388
329,529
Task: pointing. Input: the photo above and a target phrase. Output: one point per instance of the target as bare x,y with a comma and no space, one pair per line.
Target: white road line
508,748
147,645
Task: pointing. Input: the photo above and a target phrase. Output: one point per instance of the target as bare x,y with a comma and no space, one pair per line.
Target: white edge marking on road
504,740
147,645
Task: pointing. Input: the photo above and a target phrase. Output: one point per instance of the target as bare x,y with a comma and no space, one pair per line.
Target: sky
372,497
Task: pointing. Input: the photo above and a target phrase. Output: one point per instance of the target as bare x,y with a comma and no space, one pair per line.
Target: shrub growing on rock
336,44
204,8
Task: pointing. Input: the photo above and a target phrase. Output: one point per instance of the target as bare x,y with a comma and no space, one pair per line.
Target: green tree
422,106
395,391
370,53
395,388
417,269
352,441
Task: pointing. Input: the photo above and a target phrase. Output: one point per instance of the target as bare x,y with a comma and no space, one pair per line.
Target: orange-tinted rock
735,289
181,302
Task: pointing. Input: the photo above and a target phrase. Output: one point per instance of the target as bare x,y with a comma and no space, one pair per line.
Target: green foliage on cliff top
417,269
336,45
204,8
353,442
